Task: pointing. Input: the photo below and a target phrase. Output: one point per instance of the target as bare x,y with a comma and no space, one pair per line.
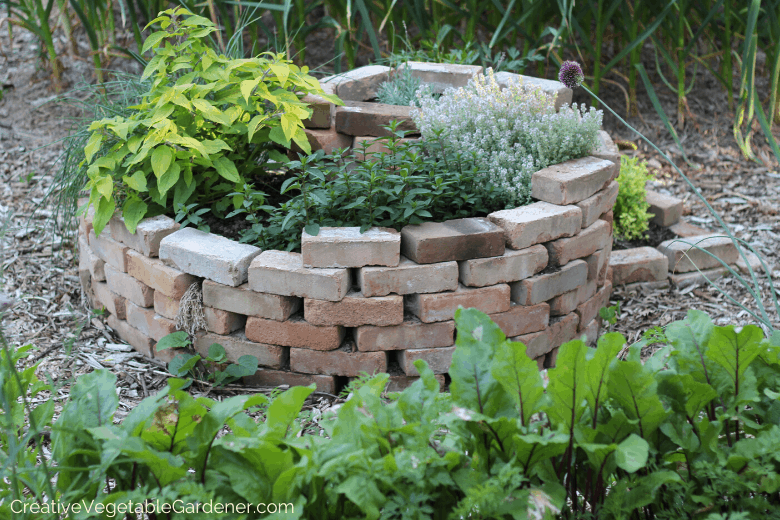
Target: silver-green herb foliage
510,133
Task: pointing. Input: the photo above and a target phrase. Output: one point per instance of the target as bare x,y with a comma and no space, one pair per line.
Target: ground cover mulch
38,266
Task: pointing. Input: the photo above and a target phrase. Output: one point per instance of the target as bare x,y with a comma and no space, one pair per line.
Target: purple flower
571,74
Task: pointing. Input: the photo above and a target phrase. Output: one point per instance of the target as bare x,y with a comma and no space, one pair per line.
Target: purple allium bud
571,74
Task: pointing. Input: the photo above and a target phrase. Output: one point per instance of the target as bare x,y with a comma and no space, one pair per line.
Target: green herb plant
632,220
206,124
403,89
193,365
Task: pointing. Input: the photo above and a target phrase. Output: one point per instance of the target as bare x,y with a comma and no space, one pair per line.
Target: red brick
360,84
322,111
590,309
440,76
237,345
148,233
326,140
521,319
283,273
109,250
223,322
348,247
697,277
684,257
341,362
587,242
543,287
607,277
128,287
369,119
640,264
243,300
113,303
132,336
149,323
564,329
551,358
442,306
567,302
609,216
90,261
438,359
412,333
154,273
597,261
536,223
595,205
408,278
510,267
355,310
571,181
591,332
459,239
166,306
685,229
294,332
667,209
536,344
268,377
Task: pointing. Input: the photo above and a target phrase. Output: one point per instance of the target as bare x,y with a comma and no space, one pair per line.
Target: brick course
343,362
571,181
543,287
459,239
408,278
438,359
442,306
283,273
294,332
510,267
243,300
355,310
348,247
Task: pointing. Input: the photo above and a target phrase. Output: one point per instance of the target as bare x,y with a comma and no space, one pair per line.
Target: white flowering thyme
509,133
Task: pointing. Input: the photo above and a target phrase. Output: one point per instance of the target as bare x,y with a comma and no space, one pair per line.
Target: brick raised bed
376,302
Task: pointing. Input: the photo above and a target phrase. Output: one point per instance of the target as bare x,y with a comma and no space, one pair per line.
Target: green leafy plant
192,364
632,220
403,89
207,124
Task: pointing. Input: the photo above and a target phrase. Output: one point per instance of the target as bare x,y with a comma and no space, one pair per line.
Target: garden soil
38,264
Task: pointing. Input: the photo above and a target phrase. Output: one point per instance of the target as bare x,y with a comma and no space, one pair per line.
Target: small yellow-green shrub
632,220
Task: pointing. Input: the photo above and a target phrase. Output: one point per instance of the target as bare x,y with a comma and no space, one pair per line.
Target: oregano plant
206,125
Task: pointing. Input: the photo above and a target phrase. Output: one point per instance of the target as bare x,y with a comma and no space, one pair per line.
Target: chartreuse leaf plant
206,125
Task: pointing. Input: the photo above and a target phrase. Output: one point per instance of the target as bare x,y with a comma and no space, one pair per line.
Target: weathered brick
551,358
590,309
647,286
754,262
396,383
543,287
568,302
128,287
223,322
243,300
348,247
681,280
608,217
294,332
591,332
536,223
667,209
166,306
607,277
85,220
597,261
512,266
326,140
132,336
563,329
269,377
683,228
438,359
321,111
440,76
522,319
237,345
361,84
408,278
571,181
640,264
148,233
154,273
109,250
369,119
459,239
607,149
412,333
587,242
281,272
90,261
375,145
113,303
442,306
684,257
536,344
341,362
208,255
355,310
149,323
85,281
563,95
599,203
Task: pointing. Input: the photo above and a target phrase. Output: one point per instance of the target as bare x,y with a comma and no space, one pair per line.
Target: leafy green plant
191,364
188,214
632,220
206,125
403,89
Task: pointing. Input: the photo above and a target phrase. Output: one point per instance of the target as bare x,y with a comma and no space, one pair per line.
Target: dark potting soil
654,236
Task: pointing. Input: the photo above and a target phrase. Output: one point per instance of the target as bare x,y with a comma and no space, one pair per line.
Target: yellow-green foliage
632,219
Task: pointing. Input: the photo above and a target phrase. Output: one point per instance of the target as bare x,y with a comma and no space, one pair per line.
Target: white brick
281,272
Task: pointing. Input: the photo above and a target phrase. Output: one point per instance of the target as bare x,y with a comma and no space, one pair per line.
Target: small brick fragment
361,84
647,286
269,377
522,319
132,336
536,223
113,303
667,209
128,287
326,140
294,332
571,181
590,309
591,332
684,257
166,306
355,310
408,278
370,119
599,203
149,323
544,287
223,322
341,362
237,345
412,333
568,302
154,273
148,233
442,306
640,264
438,359
109,250
512,266
243,300
563,95
348,247
458,239
681,280
587,242
283,273
441,76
